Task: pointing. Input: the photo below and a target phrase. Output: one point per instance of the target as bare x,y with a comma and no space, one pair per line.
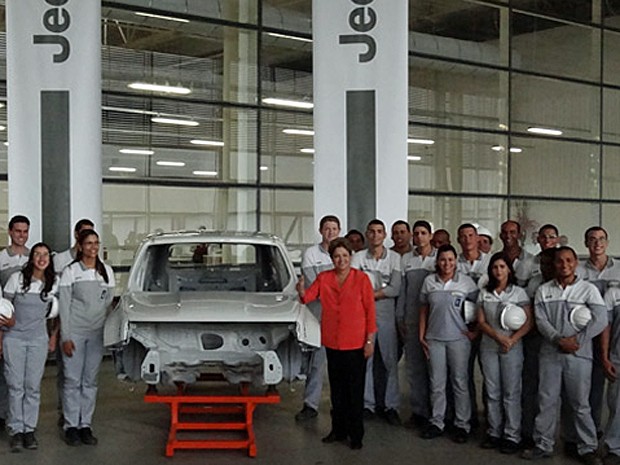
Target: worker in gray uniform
601,270
566,356
610,355
12,259
86,290
416,265
315,260
61,261
383,268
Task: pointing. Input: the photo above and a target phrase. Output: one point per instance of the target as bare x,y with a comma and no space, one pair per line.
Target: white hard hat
579,317
469,311
52,308
482,231
6,308
512,317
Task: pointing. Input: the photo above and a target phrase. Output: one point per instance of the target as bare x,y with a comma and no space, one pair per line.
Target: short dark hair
466,226
375,221
423,224
566,248
327,218
592,229
339,242
548,226
354,232
492,283
18,219
513,222
83,222
403,222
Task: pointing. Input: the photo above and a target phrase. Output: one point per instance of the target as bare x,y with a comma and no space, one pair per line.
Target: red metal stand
242,404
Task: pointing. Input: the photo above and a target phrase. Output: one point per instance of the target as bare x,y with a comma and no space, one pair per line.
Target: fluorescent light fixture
299,132
166,18
122,169
137,151
2,128
414,140
2,105
264,168
307,150
286,36
146,86
211,143
413,158
545,131
501,148
177,121
288,103
516,150
205,173
6,143
170,163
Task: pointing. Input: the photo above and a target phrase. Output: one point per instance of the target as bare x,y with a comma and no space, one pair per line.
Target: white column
360,110
54,114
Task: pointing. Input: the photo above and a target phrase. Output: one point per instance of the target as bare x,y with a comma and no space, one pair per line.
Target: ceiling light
167,18
264,168
545,131
6,143
122,169
2,128
299,132
413,140
1,105
501,148
286,36
516,150
159,88
137,151
413,158
178,122
288,103
211,143
170,163
307,150
205,173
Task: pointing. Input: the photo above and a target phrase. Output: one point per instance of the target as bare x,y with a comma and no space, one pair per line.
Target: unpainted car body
200,302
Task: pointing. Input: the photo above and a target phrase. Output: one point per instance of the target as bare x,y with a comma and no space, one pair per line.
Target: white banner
54,114
360,110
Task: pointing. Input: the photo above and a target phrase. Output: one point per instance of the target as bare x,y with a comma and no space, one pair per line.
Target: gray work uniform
612,432
558,370
83,299
601,279
25,351
384,273
502,371
315,260
448,345
415,268
525,265
9,264
61,261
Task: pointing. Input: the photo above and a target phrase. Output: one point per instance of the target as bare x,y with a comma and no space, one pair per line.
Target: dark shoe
591,458
535,454
509,447
306,413
86,436
30,441
460,436
356,445
527,443
391,416
16,443
431,432
368,414
416,421
333,437
72,437
490,442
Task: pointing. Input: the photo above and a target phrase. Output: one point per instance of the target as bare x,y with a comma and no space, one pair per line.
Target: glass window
554,168
457,94
611,115
584,11
611,49
611,172
457,161
542,103
611,222
290,18
545,46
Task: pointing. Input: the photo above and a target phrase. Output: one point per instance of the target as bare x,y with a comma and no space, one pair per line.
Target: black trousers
347,373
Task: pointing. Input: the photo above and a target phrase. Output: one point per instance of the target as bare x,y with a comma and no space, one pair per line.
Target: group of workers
544,329
34,282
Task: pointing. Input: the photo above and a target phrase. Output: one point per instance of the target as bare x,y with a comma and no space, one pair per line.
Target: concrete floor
134,433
